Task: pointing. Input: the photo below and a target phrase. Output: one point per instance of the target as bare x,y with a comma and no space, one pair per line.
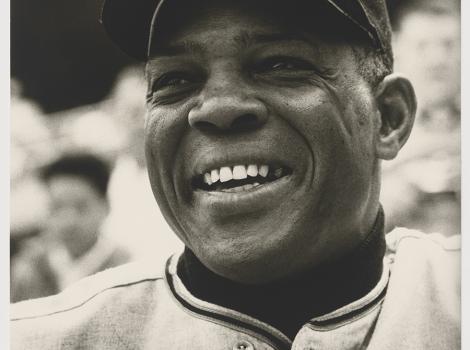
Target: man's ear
396,102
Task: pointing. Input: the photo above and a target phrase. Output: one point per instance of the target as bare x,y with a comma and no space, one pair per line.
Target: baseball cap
130,23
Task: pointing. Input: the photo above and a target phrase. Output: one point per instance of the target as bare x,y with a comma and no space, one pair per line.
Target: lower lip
257,198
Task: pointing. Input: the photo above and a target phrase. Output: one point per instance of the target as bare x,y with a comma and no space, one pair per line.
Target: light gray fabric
416,305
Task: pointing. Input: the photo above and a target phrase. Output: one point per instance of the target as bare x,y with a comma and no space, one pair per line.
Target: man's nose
228,108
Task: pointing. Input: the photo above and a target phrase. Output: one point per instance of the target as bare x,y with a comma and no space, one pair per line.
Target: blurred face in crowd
428,51
77,212
261,143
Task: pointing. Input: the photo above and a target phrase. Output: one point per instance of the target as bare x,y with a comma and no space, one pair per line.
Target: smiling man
265,131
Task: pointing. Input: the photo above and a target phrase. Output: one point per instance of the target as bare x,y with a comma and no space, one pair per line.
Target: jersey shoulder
80,294
429,261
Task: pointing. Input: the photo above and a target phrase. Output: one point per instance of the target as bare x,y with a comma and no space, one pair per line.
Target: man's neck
288,305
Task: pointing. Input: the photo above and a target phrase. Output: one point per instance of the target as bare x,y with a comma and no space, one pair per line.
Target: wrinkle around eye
172,78
289,72
172,93
158,98
295,79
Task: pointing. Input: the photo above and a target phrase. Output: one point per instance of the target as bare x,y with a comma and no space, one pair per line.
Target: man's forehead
241,40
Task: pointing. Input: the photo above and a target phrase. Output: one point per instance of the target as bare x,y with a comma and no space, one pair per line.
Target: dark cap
129,23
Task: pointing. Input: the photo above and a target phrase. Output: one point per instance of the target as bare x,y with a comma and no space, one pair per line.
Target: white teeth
225,174
208,179
252,170
264,170
239,172
214,175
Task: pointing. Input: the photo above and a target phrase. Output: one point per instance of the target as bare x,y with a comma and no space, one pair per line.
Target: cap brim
127,22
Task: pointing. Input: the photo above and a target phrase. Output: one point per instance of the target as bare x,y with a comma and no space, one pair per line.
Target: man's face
77,212
235,94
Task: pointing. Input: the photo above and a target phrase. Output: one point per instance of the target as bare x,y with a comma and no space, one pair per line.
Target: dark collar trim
338,321
352,311
222,315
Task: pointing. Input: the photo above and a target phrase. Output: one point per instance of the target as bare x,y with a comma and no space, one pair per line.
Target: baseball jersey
415,305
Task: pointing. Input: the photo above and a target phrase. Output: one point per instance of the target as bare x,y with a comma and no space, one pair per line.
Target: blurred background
80,197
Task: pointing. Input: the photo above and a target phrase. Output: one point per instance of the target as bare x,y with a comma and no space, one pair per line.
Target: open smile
239,178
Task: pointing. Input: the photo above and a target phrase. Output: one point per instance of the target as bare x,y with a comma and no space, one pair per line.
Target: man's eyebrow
181,48
244,40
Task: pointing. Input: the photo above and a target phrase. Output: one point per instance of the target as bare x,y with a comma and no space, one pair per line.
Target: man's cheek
160,139
164,135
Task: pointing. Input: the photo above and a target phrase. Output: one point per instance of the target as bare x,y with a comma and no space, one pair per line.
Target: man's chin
242,270
248,259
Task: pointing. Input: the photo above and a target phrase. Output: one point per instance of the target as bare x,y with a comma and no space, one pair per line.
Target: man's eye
282,64
172,80
172,87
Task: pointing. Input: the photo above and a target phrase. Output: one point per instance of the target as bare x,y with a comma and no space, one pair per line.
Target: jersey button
243,345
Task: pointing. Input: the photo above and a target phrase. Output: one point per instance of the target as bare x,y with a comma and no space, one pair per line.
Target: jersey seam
84,302
431,239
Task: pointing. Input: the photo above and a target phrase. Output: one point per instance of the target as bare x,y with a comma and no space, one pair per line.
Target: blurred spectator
30,147
427,50
72,245
30,136
133,208
126,105
421,188
114,130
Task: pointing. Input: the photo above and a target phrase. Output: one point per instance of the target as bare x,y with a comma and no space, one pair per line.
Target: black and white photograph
234,174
